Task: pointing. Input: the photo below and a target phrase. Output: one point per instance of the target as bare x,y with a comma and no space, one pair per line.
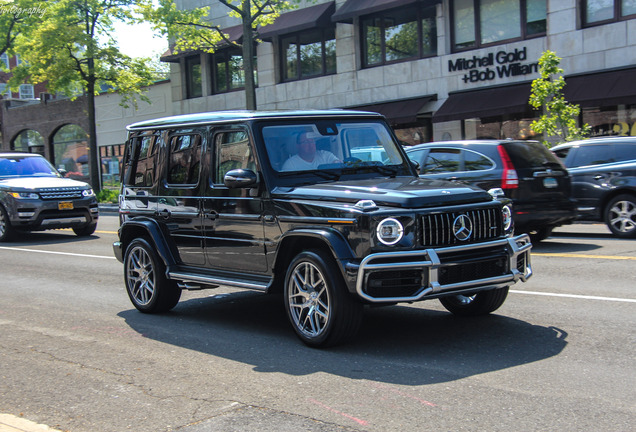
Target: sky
138,40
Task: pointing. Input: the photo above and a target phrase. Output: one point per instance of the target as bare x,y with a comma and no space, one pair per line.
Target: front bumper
39,215
408,276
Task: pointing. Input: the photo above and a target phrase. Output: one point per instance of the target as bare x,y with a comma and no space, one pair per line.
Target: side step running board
211,280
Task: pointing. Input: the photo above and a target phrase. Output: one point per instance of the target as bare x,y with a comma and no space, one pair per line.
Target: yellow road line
576,255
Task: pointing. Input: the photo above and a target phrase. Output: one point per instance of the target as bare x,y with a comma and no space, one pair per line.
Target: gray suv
35,197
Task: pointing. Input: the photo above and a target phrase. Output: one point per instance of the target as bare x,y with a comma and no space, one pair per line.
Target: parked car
527,173
240,199
35,197
603,172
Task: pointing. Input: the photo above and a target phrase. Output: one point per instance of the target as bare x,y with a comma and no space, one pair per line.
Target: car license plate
550,183
65,205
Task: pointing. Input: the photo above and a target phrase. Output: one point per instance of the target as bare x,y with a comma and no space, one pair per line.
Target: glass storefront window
611,121
28,141
70,152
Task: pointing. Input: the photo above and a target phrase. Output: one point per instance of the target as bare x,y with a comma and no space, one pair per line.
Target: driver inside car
307,156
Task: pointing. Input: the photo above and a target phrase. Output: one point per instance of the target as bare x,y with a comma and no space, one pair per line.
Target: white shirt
296,163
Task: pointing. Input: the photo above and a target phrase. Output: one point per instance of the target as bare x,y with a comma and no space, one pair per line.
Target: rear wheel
146,283
6,230
319,307
620,216
481,303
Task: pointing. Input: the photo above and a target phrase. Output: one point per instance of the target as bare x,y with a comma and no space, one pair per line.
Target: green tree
559,118
15,15
71,49
192,30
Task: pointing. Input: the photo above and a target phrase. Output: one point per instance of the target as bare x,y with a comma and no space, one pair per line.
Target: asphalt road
74,354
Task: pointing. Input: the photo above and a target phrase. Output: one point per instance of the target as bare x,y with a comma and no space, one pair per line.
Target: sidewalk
10,423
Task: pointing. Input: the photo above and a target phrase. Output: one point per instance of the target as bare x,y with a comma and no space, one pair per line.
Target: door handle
165,213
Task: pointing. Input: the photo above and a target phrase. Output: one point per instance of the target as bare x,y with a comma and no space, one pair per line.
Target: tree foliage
559,118
71,49
193,29
16,15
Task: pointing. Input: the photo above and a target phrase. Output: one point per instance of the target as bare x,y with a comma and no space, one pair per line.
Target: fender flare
150,229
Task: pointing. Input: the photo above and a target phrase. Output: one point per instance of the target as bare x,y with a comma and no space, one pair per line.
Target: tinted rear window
530,154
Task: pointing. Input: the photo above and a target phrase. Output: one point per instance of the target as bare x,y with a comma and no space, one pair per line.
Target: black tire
540,234
320,308
6,230
86,230
145,277
481,303
620,216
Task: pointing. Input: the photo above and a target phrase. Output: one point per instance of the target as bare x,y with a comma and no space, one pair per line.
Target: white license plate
550,183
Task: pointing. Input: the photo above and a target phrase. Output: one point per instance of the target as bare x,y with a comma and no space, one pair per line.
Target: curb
11,423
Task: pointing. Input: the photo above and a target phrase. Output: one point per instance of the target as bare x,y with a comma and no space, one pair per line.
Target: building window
5,91
4,61
477,23
605,11
193,77
398,35
308,54
26,91
228,73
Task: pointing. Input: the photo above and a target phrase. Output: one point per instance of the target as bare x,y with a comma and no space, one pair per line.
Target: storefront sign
501,64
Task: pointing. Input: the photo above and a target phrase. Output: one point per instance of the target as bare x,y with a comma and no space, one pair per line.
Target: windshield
329,149
26,166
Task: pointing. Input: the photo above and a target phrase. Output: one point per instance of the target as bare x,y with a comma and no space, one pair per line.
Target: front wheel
146,283
6,230
86,230
321,310
481,303
620,216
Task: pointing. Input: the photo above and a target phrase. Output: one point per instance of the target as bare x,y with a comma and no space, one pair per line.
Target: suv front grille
60,193
437,229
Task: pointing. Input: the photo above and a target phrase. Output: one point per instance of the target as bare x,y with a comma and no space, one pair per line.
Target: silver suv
35,197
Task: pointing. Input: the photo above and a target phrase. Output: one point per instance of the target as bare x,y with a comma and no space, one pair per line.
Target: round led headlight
507,217
390,231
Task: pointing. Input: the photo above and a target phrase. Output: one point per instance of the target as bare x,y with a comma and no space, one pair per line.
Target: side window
474,161
441,161
593,155
416,155
141,159
184,159
625,151
232,150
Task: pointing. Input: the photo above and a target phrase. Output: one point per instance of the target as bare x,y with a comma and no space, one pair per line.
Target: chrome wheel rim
622,216
309,300
140,276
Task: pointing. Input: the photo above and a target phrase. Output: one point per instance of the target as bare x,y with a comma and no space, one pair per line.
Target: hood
405,192
38,183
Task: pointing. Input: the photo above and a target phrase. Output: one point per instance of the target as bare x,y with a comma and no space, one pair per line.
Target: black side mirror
240,178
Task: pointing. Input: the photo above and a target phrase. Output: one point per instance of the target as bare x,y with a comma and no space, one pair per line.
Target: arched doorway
71,153
28,141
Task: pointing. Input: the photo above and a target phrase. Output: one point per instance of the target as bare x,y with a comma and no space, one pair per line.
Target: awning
234,33
609,88
355,8
300,19
488,102
399,112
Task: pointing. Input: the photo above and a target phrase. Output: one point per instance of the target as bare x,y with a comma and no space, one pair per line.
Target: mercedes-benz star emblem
462,227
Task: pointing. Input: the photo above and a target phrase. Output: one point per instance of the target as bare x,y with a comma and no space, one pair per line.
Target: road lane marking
57,253
576,255
575,296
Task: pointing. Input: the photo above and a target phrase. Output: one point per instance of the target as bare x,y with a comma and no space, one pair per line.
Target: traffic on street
77,356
